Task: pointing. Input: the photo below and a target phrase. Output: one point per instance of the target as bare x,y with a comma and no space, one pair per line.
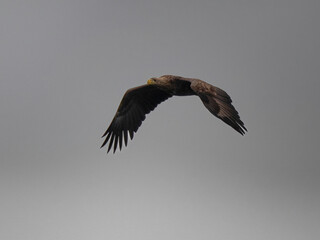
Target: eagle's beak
150,81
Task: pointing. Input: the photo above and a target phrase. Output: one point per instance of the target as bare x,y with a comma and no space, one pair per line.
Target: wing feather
135,104
218,102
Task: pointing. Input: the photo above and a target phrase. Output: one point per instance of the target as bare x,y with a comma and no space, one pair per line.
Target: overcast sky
64,67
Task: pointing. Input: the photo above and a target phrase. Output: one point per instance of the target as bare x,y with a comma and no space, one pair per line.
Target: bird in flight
141,100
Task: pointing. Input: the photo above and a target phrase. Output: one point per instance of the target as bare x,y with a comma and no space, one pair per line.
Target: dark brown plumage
139,101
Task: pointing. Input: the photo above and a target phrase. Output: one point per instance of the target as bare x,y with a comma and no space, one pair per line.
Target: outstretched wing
135,104
218,102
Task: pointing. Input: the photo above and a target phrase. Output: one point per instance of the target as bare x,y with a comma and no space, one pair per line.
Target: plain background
64,67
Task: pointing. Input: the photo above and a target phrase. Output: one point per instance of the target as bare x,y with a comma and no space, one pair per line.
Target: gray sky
64,67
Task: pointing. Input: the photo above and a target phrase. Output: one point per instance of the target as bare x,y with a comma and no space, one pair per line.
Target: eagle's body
139,101
175,85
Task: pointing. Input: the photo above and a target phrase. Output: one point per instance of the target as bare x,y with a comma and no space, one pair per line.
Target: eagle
141,100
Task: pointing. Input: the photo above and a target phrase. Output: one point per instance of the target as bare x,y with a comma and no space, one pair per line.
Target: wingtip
104,134
103,144
243,130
